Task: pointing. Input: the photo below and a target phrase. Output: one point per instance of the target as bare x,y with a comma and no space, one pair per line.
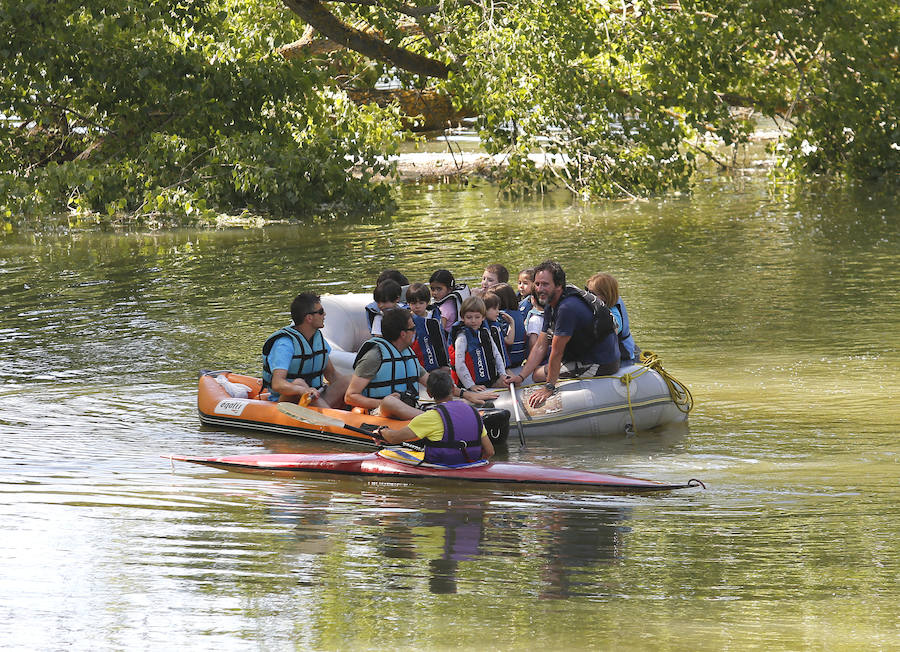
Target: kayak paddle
515,403
308,415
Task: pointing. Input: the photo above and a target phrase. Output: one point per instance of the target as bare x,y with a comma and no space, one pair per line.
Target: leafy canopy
621,96
152,107
182,107
627,93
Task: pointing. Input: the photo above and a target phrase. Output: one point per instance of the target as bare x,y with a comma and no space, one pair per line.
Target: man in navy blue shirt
568,331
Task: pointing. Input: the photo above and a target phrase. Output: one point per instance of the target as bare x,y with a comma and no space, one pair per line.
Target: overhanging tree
149,108
152,107
620,95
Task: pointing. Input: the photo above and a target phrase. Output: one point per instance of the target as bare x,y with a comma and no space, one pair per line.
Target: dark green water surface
780,312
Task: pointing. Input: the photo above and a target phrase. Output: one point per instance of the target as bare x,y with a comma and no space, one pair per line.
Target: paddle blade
308,415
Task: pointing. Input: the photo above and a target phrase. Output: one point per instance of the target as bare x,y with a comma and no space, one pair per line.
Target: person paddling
451,434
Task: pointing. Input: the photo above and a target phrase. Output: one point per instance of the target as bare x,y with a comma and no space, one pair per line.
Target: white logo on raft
232,406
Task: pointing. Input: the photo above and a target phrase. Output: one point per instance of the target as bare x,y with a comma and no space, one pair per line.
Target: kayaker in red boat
450,434
295,358
572,331
387,373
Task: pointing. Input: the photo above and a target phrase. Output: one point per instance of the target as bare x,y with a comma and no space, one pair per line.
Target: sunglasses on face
320,311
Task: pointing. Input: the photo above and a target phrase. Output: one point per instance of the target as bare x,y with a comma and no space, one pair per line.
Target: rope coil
679,392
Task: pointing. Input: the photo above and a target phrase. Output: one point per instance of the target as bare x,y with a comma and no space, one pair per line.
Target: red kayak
373,464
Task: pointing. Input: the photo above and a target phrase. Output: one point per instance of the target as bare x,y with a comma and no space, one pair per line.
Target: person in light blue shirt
296,358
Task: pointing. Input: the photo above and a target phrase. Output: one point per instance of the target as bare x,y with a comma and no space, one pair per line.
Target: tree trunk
425,110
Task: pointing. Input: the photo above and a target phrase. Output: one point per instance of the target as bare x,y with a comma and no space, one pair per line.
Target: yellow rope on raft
681,395
679,392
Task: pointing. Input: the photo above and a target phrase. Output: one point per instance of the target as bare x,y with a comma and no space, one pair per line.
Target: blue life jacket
431,342
372,311
525,306
399,371
498,329
461,442
479,353
308,362
516,351
626,341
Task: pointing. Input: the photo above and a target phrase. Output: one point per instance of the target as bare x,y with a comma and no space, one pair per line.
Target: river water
778,308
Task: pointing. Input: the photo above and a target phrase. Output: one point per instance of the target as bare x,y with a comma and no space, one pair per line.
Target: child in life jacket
512,321
431,339
493,274
532,311
386,296
525,283
606,288
447,296
477,362
498,323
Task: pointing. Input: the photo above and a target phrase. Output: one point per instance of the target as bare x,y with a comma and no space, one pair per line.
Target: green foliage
826,71
152,108
159,110
617,92
849,91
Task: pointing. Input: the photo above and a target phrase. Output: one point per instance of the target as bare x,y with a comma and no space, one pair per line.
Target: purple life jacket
462,436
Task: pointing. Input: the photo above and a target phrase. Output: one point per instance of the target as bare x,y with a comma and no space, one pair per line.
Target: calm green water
780,312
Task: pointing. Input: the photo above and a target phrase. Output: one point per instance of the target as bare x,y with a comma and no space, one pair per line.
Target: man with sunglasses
295,358
387,373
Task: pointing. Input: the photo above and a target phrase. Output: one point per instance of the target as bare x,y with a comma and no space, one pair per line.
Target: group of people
458,343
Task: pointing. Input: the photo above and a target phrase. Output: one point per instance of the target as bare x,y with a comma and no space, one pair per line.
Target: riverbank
457,159
446,158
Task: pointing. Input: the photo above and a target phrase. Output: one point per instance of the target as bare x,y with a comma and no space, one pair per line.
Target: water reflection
446,538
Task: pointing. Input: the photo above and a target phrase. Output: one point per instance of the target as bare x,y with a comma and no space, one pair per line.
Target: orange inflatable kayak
237,401
217,407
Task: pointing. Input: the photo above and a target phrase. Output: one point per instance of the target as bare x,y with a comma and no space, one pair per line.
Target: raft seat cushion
346,326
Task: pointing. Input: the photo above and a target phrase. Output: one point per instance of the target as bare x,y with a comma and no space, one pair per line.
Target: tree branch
403,9
314,13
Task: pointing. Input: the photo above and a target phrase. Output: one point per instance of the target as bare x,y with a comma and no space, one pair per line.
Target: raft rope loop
681,395
679,392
